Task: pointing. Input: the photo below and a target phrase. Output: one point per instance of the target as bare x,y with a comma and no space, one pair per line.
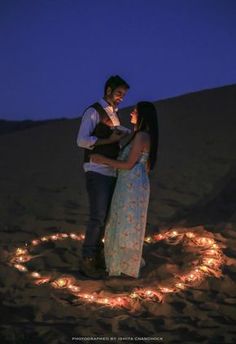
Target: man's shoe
89,269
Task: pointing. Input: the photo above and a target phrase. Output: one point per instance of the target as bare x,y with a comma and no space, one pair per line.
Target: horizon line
124,108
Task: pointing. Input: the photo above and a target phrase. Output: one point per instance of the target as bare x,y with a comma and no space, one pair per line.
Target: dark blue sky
55,55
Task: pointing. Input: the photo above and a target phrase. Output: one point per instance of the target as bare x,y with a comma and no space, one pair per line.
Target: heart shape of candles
209,263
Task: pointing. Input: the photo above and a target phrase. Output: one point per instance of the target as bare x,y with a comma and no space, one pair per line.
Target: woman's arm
137,147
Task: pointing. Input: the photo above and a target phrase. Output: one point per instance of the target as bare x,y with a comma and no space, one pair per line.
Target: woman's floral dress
125,229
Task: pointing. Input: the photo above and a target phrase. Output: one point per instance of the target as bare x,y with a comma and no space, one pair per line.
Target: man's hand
116,136
98,159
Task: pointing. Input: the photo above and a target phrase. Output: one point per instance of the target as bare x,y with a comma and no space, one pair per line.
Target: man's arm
90,119
85,139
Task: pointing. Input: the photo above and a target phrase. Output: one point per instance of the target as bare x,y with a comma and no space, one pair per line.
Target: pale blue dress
125,229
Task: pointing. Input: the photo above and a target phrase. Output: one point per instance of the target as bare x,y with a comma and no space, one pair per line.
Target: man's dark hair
115,81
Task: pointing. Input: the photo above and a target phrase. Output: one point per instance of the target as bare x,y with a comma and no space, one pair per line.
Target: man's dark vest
102,131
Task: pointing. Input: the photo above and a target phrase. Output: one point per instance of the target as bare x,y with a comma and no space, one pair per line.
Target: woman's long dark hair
148,122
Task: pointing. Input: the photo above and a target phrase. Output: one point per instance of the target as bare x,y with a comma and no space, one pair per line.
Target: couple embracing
117,182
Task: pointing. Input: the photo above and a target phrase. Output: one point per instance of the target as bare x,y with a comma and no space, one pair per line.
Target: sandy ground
193,187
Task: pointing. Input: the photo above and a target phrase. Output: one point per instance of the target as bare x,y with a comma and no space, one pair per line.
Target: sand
193,188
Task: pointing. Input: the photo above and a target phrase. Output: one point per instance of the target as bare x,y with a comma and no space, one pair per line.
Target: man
97,134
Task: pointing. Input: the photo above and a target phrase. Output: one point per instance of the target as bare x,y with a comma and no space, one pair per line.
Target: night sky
56,55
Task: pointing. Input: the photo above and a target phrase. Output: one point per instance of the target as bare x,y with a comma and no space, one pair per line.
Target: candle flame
20,267
190,235
35,242
35,274
62,282
21,251
64,235
44,239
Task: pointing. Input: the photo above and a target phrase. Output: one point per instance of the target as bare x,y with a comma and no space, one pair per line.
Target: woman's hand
98,159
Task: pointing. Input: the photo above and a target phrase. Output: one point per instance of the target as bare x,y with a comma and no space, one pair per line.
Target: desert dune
193,189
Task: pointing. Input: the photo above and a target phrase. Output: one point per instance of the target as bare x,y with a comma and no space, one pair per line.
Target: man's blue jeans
100,190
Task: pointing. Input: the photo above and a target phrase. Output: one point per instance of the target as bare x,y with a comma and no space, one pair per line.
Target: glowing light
203,268
191,277
20,267
204,241
210,261
21,251
44,239
166,290
212,253
35,274
190,235
61,282
42,280
64,235
158,237
174,233
149,293
22,259
74,288
35,242
134,295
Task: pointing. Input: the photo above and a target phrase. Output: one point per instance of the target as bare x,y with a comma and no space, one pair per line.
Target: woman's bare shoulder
143,136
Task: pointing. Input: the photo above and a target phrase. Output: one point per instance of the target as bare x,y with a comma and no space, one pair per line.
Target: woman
125,229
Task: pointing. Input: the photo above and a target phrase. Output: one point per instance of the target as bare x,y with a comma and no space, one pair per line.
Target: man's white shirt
85,139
